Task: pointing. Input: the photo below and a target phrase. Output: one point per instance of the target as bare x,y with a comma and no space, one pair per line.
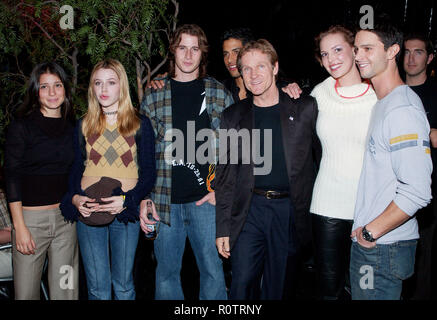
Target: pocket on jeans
364,256
367,250
402,258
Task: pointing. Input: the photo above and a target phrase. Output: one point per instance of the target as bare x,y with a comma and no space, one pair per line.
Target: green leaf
23,43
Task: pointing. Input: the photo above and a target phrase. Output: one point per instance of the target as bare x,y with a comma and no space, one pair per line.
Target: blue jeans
198,223
377,273
103,267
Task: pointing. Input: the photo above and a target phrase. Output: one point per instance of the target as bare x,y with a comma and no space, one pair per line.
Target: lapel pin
291,118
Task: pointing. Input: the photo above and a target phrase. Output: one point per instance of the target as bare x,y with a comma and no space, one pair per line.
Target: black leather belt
270,194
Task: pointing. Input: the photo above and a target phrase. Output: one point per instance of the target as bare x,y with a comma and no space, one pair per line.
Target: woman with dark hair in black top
39,153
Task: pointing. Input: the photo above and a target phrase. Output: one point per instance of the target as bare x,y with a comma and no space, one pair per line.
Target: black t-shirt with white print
189,115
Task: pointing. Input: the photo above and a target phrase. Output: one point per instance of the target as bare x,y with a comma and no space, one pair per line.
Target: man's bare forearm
391,218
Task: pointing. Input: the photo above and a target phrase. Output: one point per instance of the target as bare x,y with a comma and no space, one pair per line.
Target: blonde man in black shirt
262,219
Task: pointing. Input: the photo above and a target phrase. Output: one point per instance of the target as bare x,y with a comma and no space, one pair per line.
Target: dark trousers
419,286
332,244
264,247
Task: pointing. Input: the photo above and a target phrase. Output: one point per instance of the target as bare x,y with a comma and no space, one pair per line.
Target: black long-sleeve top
39,153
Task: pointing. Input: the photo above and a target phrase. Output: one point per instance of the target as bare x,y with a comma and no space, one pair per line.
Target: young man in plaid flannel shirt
183,198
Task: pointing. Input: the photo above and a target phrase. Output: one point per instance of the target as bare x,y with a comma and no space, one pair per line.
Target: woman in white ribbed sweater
345,104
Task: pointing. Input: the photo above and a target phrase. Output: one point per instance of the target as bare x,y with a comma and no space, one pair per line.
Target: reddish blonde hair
345,32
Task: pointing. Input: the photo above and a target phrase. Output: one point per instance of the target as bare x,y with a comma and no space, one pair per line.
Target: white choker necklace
110,112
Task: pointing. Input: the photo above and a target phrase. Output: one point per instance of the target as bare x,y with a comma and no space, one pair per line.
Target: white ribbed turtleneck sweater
342,126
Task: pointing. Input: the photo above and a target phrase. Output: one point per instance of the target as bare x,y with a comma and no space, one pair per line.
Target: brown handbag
101,189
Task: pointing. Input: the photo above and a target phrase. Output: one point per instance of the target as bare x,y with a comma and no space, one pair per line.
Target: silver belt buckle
269,194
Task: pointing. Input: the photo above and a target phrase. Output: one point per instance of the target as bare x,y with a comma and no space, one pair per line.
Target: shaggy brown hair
192,30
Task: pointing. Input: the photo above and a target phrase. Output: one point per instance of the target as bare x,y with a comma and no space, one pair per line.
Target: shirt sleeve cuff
406,205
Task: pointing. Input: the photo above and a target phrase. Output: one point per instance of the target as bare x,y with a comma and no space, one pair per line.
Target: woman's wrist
75,200
19,226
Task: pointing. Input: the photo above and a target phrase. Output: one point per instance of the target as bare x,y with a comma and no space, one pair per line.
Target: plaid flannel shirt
5,218
156,105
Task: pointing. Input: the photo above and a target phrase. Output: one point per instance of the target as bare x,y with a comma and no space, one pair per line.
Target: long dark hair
31,100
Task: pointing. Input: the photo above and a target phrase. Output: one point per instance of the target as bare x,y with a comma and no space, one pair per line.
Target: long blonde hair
128,121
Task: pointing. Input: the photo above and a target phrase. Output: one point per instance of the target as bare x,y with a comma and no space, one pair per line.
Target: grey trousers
57,240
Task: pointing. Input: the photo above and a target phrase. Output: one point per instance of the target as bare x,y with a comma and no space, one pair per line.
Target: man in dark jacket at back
263,198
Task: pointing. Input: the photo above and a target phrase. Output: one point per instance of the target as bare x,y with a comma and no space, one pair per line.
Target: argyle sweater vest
111,155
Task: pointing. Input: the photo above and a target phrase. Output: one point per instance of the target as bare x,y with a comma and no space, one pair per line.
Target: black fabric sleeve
317,146
69,211
224,185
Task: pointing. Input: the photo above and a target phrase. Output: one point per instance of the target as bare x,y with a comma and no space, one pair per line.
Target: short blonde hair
262,45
